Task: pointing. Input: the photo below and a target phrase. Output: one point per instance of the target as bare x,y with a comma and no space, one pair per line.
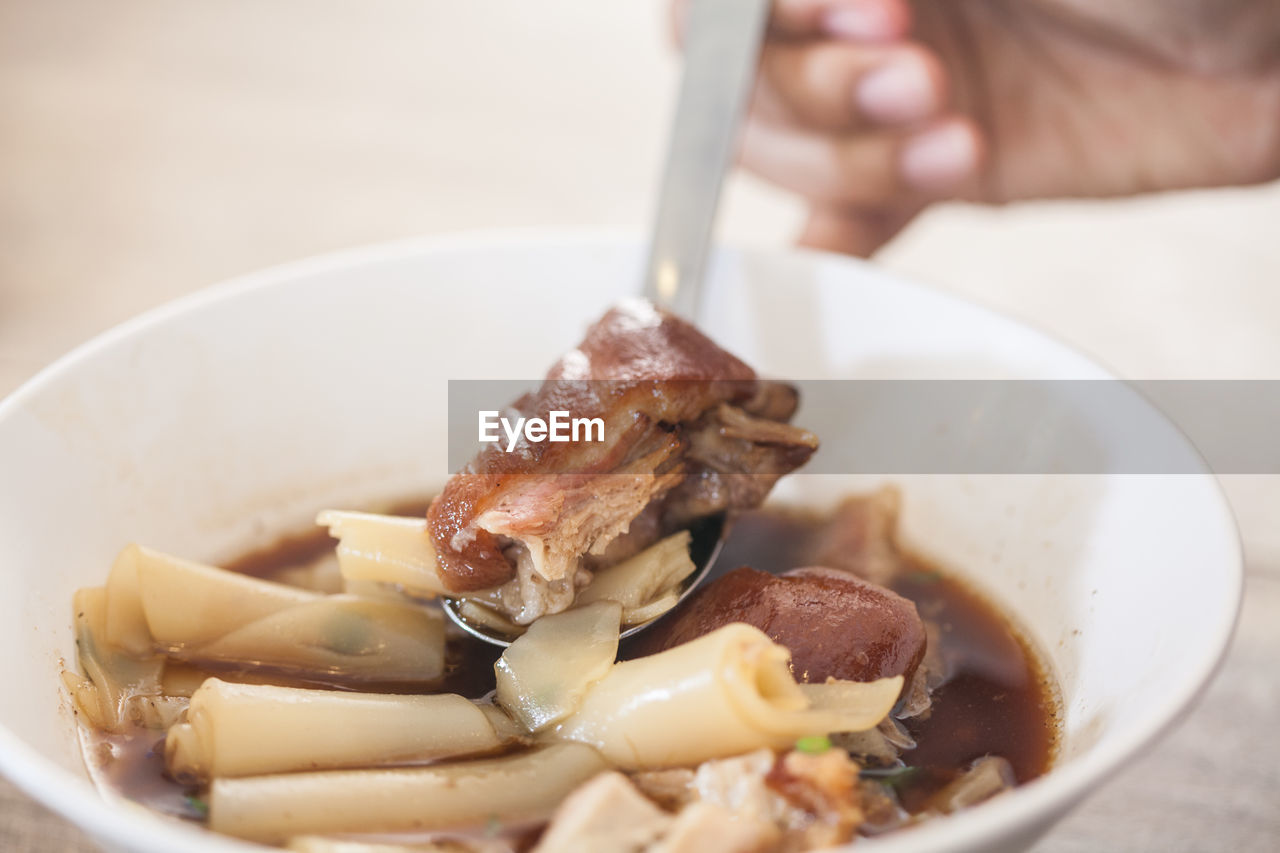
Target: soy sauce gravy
995,699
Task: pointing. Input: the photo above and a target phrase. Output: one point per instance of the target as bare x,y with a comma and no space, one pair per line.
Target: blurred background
152,147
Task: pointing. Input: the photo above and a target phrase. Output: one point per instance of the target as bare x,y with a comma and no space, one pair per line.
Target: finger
832,85
866,169
679,13
854,20
943,159
855,231
857,20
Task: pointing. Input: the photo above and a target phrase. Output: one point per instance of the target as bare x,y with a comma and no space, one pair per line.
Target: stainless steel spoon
722,45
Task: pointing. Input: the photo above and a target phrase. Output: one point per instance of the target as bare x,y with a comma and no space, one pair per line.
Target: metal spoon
722,44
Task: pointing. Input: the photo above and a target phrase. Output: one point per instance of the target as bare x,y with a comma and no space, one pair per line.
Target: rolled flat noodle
527,786
203,614
644,584
386,549
125,624
253,729
543,674
340,635
117,689
723,694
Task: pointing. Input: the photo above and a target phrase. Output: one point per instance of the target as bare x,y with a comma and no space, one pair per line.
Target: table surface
150,147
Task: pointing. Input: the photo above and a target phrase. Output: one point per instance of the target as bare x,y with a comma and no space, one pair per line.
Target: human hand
873,109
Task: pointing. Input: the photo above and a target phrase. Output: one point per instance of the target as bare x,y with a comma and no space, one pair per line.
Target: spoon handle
722,45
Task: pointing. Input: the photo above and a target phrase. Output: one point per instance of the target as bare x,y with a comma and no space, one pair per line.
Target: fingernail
938,159
898,91
865,21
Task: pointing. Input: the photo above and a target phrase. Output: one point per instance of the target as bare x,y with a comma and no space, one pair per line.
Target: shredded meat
812,801
880,807
879,747
825,787
671,788
604,815
986,777
688,431
610,814
733,460
860,537
702,827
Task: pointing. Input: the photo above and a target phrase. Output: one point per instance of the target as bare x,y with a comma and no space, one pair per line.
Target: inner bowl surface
214,423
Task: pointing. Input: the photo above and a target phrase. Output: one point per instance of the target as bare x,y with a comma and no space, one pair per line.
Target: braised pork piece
835,624
689,431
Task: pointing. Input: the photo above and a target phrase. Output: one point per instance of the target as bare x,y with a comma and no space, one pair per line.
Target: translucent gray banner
967,426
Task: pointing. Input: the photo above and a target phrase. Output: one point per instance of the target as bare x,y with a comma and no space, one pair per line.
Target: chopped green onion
348,634
197,804
815,745
891,776
492,826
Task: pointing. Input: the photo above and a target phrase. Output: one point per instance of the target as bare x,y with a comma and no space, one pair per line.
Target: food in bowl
830,685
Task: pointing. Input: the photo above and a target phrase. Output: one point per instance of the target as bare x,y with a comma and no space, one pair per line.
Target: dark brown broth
306,546
288,552
132,764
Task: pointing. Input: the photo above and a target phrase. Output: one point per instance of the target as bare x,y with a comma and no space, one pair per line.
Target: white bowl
203,426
